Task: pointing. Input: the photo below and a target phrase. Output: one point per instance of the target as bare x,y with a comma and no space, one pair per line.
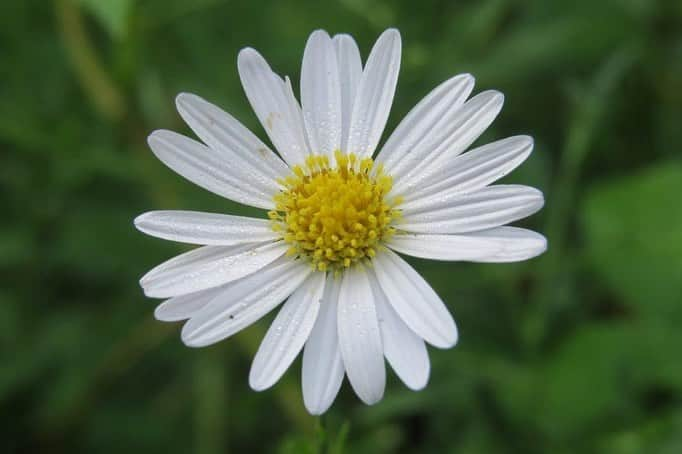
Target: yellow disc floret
335,215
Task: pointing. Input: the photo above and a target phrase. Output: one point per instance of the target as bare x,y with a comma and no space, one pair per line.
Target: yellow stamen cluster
334,215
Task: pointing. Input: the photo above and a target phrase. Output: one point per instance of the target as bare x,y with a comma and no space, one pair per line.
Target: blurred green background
575,351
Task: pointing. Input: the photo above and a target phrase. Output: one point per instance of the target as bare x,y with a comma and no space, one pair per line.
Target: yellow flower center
334,215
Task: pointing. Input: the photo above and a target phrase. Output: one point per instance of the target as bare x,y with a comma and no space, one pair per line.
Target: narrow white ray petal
517,244
287,334
322,372
451,197
195,227
207,169
223,133
486,208
375,94
414,300
195,256
404,350
462,129
462,247
500,244
350,73
424,126
359,336
475,169
185,306
321,94
244,301
275,106
208,266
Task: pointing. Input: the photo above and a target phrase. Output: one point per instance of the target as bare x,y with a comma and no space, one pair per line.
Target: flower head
334,217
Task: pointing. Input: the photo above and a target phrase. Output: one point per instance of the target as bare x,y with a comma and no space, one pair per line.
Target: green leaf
599,376
662,436
633,227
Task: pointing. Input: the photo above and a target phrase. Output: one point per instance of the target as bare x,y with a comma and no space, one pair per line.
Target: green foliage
112,14
575,351
636,220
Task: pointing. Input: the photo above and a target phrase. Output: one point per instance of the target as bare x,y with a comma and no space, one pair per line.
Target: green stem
321,435
590,106
95,81
210,411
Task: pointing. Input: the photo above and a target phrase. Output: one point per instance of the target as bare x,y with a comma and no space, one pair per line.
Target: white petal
350,73
223,133
454,212
375,94
475,169
208,266
287,334
464,247
321,94
404,350
244,301
500,244
424,127
414,300
461,130
359,336
322,365
208,169
185,306
195,227
275,105
516,244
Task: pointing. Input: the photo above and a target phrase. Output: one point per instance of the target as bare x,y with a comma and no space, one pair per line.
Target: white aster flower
336,216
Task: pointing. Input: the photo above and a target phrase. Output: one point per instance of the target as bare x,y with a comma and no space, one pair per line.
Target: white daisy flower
336,217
